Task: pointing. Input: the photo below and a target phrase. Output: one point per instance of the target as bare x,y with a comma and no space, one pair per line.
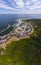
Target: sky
20,6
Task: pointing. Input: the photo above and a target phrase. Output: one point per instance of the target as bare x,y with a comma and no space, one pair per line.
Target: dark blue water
11,18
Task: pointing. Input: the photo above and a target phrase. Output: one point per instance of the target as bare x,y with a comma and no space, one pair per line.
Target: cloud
35,0
5,6
35,4
19,3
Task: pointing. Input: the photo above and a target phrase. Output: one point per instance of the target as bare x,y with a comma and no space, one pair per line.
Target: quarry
20,30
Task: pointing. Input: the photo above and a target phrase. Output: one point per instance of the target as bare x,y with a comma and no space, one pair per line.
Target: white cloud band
21,5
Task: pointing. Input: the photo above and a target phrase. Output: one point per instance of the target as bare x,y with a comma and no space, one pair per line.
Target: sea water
6,19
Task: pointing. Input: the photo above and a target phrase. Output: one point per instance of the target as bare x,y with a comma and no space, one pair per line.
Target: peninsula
18,31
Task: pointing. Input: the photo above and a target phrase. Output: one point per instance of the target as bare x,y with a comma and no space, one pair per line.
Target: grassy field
25,51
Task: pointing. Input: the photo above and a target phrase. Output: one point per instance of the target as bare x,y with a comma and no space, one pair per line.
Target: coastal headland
18,31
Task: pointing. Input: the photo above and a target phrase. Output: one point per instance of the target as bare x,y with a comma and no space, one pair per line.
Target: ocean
6,19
